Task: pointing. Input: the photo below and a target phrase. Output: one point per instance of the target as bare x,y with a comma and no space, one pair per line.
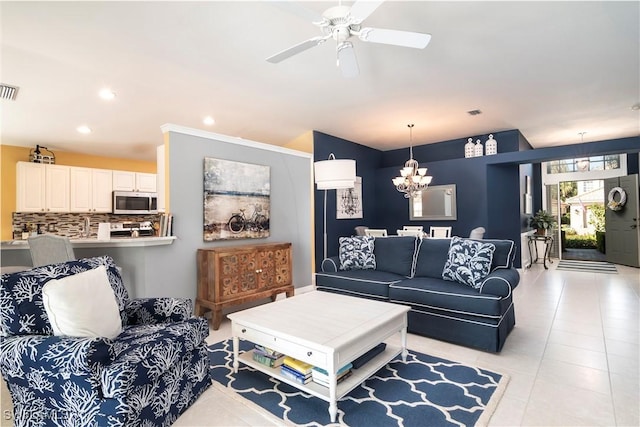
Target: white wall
171,270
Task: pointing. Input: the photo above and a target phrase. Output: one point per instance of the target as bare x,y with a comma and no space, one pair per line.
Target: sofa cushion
396,254
23,311
432,256
468,262
504,254
356,253
82,305
452,297
363,283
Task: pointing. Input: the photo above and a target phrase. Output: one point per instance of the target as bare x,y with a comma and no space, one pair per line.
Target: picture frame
349,201
437,202
236,202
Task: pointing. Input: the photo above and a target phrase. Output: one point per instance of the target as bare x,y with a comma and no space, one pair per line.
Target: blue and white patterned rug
424,391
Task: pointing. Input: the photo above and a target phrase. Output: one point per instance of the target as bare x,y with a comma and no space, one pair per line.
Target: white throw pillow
82,305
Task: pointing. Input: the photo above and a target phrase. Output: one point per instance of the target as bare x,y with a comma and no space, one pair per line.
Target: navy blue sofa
409,271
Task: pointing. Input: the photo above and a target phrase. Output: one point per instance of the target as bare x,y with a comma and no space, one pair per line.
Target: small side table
548,244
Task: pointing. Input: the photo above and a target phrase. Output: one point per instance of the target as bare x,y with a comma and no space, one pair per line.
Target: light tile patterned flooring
572,358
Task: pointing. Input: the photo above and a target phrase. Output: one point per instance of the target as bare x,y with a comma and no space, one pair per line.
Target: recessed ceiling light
636,107
209,121
84,129
107,94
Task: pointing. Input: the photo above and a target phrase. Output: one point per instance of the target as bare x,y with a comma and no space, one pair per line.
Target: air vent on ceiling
474,112
8,92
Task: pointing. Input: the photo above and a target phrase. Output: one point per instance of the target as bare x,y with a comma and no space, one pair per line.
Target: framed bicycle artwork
236,200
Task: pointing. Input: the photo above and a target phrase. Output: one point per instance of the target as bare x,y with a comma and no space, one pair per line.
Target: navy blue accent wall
367,164
511,140
470,178
489,189
503,203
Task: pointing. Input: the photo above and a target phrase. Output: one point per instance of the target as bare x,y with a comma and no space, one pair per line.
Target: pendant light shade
333,174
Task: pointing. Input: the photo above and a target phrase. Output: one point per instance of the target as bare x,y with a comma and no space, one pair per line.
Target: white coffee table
326,330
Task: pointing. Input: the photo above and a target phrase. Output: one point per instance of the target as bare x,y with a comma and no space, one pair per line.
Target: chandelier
413,179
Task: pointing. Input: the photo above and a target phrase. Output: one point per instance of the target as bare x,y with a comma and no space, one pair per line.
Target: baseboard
304,289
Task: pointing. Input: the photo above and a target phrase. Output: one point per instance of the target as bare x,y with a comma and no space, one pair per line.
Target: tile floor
572,358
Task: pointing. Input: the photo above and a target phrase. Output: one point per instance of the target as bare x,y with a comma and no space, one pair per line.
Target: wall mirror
437,202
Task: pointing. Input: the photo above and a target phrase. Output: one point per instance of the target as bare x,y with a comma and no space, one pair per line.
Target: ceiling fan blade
297,9
395,37
363,8
347,60
294,50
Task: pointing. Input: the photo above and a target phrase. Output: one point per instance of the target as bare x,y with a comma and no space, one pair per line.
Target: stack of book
296,370
267,356
166,225
321,376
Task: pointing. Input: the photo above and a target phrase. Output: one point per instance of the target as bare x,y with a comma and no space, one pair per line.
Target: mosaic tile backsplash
69,224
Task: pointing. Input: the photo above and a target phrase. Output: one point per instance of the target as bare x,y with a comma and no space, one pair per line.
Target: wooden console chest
233,275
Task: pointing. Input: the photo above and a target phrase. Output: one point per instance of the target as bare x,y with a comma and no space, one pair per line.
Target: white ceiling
550,69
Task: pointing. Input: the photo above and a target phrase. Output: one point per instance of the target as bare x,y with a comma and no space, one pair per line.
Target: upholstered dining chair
417,233
477,233
440,232
50,249
361,230
376,232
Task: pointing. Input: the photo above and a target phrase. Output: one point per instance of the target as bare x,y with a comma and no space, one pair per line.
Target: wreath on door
617,198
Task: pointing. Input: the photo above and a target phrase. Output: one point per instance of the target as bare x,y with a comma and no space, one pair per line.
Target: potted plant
542,221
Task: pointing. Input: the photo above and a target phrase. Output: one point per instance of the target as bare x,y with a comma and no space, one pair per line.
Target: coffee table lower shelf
357,377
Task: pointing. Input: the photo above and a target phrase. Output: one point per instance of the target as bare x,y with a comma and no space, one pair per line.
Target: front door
622,231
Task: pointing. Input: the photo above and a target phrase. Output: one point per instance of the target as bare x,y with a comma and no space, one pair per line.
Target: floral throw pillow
356,253
468,262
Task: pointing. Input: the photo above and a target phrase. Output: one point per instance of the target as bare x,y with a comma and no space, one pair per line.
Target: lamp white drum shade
333,174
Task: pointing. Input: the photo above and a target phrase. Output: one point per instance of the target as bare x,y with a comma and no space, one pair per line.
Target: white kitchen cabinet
42,188
134,181
146,182
90,189
30,181
57,188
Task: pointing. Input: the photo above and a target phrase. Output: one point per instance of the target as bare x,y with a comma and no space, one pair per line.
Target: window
584,164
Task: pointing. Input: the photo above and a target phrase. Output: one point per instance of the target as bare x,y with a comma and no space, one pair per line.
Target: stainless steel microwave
134,202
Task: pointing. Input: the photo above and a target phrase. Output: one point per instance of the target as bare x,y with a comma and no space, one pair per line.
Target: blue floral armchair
146,376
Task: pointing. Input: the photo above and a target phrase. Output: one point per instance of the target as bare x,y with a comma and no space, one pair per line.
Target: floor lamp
333,174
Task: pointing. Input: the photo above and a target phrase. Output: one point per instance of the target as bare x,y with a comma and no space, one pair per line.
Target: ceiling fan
341,23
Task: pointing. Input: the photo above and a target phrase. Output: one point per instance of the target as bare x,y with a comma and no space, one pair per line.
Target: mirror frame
432,190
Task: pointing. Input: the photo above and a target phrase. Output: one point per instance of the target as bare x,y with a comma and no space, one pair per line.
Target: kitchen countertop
95,243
